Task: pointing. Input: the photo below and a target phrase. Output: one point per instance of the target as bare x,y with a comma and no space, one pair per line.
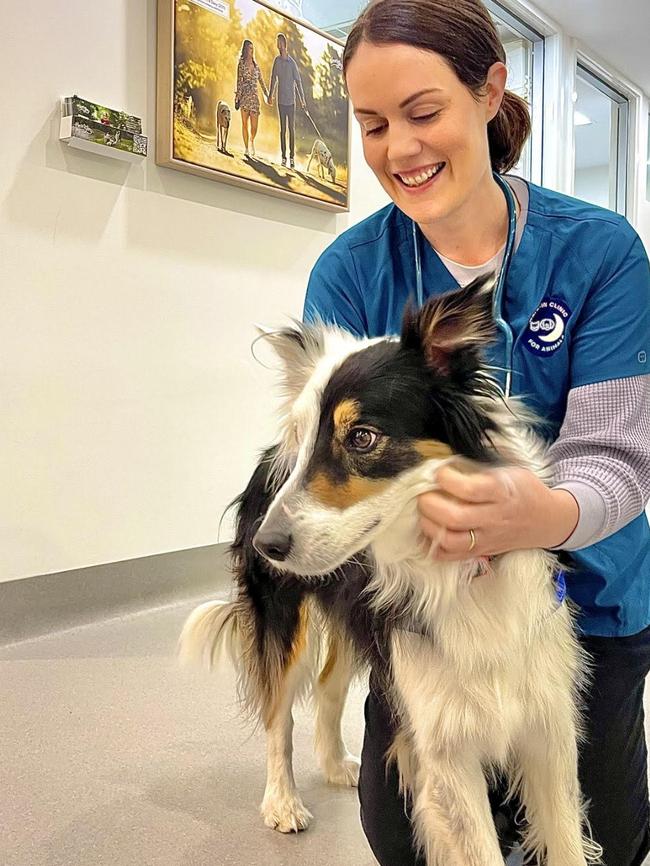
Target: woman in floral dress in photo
247,100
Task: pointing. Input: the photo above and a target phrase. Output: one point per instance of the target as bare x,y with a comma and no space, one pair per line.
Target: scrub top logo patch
546,329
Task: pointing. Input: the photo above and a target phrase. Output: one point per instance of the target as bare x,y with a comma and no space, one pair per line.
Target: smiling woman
429,149
432,148
571,314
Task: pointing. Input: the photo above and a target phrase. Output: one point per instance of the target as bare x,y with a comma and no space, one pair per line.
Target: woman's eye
362,439
425,117
375,130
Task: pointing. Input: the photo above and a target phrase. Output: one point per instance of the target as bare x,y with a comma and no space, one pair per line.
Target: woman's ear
495,86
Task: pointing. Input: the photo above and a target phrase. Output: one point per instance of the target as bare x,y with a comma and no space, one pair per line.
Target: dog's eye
362,439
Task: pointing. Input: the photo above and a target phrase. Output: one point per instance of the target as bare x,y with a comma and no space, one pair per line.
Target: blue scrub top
577,298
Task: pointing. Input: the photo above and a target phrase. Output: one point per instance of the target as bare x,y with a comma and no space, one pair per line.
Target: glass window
525,61
293,7
334,16
600,120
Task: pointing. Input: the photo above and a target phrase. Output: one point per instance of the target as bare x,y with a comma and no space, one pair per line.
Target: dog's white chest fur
462,663
449,708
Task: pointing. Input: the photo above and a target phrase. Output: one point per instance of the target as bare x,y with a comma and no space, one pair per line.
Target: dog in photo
324,161
332,575
223,125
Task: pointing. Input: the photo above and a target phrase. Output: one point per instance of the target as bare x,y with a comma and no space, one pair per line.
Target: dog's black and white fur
480,665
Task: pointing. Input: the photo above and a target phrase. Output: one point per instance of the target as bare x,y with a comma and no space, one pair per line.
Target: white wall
131,408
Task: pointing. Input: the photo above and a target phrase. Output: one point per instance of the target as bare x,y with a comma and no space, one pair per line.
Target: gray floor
111,754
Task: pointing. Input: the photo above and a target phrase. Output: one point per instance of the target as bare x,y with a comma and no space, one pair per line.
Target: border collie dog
478,660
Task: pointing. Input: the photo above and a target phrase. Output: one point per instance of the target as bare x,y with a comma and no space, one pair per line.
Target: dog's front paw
345,772
285,813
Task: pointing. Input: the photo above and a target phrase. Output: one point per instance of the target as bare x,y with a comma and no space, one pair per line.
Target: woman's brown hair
462,32
248,44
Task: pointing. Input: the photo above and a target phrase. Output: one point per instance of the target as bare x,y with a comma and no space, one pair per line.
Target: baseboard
39,605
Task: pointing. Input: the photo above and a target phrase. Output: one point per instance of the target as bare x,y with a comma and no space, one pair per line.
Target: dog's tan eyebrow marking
432,449
345,415
329,492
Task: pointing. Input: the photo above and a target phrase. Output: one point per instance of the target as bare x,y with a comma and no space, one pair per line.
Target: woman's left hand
505,509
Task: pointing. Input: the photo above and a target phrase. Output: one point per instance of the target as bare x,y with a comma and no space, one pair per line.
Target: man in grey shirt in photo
285,74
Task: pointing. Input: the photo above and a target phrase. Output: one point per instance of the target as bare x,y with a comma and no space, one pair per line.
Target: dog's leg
331,689
282,808
451,809
548,776
451,812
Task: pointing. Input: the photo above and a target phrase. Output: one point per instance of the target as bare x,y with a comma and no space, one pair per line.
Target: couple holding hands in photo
286,78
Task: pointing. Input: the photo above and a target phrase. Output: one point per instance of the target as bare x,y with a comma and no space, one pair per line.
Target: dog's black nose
273,544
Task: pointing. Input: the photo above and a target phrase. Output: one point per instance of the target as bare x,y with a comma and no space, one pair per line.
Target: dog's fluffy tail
209,631
219,628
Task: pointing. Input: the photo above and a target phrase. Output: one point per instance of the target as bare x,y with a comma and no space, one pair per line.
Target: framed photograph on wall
253,97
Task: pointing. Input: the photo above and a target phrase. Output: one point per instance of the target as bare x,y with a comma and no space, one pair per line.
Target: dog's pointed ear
450,330
299,348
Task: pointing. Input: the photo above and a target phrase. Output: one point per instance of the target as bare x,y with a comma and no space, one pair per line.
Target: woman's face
424,132
248,51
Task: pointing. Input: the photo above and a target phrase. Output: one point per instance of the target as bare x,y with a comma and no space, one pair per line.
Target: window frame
605,85
537,40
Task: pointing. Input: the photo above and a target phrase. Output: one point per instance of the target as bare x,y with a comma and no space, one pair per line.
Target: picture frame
212,90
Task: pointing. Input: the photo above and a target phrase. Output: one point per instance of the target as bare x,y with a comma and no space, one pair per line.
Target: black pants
287,118
613,765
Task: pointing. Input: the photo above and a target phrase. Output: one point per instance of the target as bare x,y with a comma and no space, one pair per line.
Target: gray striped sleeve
602,456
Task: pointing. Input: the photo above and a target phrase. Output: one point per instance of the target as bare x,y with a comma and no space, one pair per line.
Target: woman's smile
419,179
